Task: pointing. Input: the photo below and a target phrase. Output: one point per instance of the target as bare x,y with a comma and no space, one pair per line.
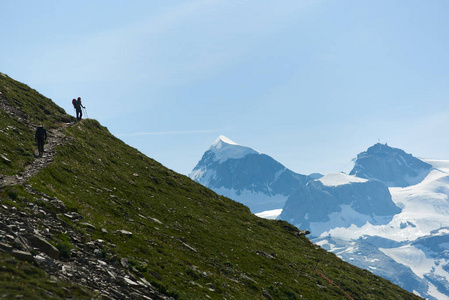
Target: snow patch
412,257
222,139
336,179
433,290
225,149
203,176
270,214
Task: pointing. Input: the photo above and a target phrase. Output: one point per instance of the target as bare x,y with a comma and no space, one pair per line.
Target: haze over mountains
389,215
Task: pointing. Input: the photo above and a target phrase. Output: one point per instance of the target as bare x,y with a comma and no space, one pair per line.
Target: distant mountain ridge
246,175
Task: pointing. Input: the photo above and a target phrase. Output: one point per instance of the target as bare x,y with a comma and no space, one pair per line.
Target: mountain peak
393,166
224,149
222,139
246,175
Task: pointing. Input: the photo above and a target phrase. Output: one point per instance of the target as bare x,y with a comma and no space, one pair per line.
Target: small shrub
64,249
12,194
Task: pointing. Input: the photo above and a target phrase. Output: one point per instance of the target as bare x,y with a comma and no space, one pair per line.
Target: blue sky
310,83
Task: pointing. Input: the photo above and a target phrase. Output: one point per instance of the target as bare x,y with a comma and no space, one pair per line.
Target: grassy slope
187,240
16,138
22,280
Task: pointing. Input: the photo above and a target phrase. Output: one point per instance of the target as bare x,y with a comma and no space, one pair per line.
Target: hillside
102,219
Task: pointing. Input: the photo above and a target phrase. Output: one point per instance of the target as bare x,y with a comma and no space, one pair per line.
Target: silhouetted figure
78,106
40,137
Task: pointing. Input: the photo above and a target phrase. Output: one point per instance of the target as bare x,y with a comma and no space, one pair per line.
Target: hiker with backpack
40,137
77,105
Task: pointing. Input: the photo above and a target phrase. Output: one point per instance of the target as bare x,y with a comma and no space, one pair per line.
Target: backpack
74,103
40,133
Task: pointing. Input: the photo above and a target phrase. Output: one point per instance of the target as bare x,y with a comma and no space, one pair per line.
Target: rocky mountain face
245,175
119,225
389,165
338,200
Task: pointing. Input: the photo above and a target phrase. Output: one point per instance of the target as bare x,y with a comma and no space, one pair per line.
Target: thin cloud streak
171,132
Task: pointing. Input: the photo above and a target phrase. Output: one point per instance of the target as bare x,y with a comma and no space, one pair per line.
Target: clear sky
310,83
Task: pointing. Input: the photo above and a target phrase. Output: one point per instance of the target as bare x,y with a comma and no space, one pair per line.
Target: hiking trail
55,137
26,233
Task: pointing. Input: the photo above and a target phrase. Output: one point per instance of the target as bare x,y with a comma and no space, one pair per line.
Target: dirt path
55,137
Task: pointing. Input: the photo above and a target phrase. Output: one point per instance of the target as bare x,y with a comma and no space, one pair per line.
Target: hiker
40,137
79,112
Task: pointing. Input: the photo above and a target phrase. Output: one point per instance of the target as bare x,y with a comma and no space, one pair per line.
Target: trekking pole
85,111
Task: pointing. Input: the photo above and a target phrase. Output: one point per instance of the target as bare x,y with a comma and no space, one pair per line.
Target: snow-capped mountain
246,175
390,215
339,200
416,239
390,165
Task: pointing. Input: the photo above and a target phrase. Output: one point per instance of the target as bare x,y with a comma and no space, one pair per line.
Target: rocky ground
26,233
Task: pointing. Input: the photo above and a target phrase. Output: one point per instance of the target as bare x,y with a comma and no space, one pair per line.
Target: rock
266,294
10,237
189,247
124,232
124,262
21,243
130,282
43,259
144,282
5,159
98,253
67,270
22,255
43,245
155,220
5,247
247,279
73,216
262,253
88,226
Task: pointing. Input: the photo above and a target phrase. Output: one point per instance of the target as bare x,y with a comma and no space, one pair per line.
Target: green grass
37,108
16,138
17,144
186,240
22,280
